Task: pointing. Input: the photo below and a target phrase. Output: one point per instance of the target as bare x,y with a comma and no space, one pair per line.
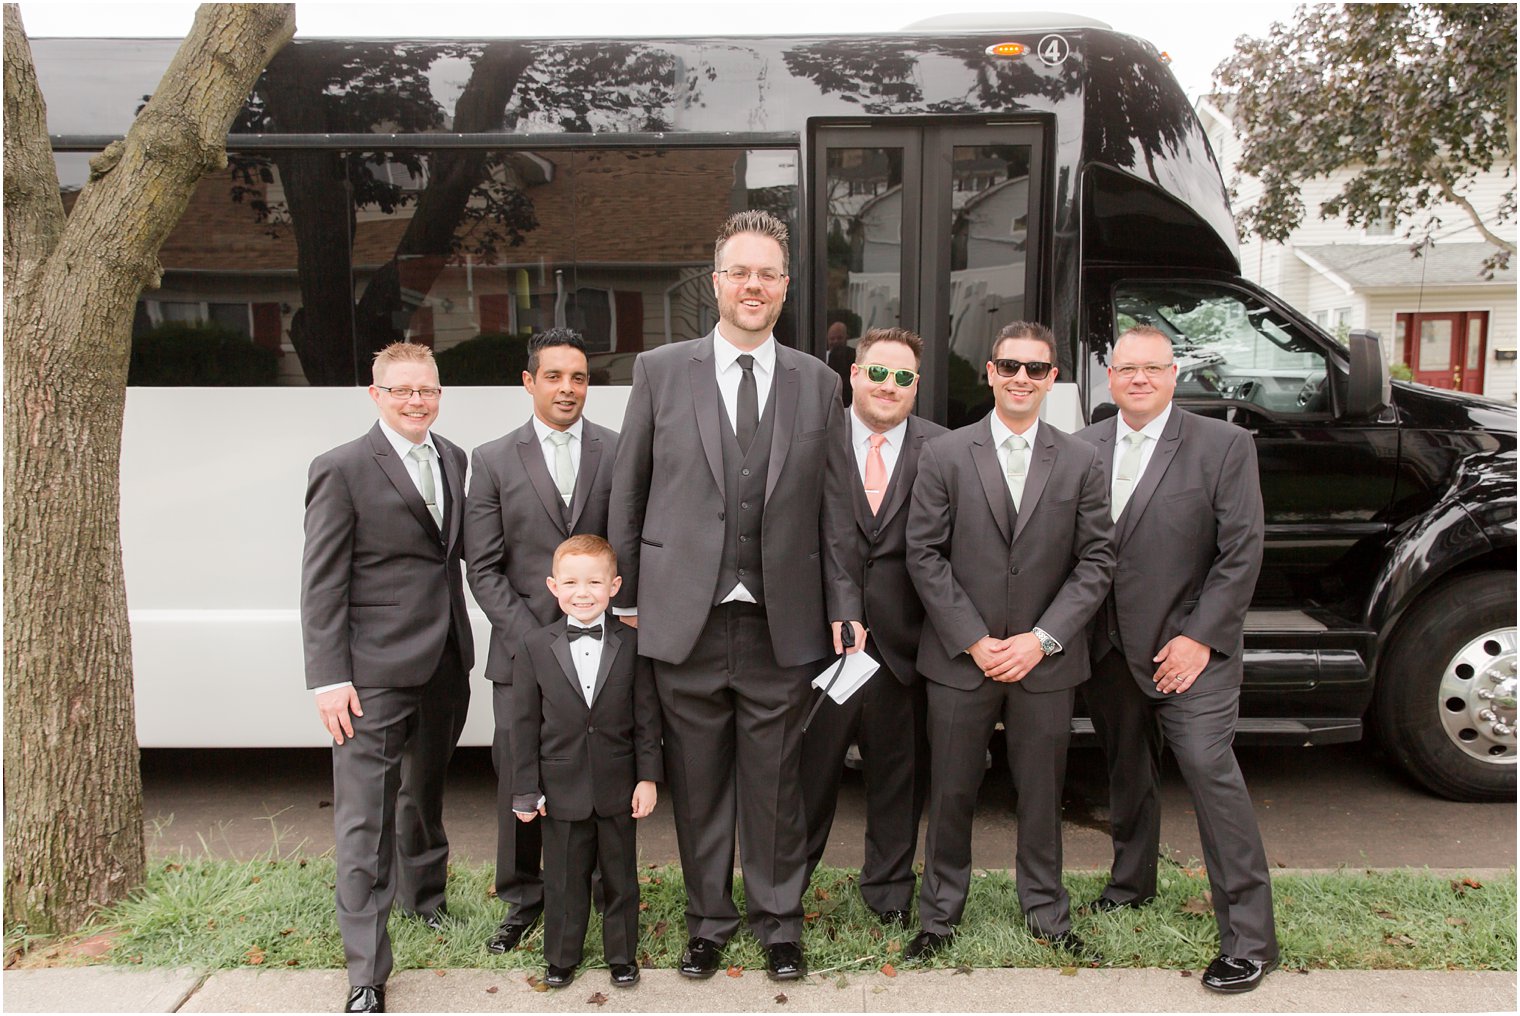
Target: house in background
1437,314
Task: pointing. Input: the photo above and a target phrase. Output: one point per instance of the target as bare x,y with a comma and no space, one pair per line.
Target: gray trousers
519,883
1199,727
388,782
1038,729
733,745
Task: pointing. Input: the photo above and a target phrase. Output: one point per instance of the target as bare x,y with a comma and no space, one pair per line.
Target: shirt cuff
332,687
1042,633
625,611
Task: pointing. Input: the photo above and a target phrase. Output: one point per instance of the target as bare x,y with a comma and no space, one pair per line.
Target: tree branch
33,209
1438,175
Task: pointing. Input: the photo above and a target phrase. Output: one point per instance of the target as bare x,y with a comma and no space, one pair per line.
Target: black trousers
1199,727
572,852
733,749
886,718
518,845
1037,726
388,782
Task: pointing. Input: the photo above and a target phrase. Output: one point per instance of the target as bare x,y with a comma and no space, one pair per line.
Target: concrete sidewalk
117,989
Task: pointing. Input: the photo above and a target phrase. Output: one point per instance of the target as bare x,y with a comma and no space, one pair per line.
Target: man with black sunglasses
1009,549
886,717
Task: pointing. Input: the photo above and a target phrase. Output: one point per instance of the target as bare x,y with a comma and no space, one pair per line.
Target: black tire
1424,704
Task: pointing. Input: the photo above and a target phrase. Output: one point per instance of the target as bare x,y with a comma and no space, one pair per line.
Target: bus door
935,228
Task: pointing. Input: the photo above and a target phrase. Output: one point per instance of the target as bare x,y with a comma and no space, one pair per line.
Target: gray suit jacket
894,614
1189,546
666,519
380,585
978,575
512,523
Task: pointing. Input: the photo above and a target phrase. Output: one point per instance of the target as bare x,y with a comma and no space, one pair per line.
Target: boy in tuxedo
586,737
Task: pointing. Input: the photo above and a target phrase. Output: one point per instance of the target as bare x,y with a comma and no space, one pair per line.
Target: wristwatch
1048,645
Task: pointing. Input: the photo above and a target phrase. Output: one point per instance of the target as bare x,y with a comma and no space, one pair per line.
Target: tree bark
73,791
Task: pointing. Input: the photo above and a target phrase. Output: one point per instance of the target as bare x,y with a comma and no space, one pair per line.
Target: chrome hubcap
1477,697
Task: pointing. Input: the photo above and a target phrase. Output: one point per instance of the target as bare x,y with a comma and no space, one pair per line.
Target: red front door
1447,350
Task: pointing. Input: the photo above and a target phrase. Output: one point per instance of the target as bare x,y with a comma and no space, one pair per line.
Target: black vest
744,504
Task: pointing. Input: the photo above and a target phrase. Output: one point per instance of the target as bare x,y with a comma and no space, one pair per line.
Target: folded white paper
858,668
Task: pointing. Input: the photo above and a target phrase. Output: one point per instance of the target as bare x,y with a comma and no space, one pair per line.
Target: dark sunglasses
876,374
1038,370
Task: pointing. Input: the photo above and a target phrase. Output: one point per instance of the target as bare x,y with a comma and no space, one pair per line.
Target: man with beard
731,520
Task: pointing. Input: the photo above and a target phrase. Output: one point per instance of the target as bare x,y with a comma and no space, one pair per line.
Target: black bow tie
573,632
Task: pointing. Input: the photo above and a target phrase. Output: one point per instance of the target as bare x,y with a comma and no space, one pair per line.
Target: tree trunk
73,791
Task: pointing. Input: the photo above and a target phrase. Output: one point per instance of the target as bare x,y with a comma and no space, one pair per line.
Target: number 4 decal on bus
1053,50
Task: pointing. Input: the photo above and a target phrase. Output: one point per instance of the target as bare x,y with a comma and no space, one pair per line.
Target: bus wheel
1445,700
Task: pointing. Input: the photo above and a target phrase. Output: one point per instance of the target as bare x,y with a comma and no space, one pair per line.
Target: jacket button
590,730
744,505
744,472
870,563
1014,570
720,516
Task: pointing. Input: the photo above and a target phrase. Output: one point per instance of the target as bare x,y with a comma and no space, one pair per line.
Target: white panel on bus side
213,484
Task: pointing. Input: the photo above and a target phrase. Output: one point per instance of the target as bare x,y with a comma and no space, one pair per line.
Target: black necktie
573,632
749,403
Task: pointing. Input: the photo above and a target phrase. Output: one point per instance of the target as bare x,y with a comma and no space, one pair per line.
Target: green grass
214,914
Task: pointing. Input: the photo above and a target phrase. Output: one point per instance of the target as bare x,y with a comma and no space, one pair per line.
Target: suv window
1229,346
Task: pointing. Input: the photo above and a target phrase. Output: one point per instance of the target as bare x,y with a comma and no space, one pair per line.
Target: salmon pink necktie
876,473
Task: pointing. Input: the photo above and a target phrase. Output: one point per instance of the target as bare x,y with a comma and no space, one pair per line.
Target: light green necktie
424,457
1017,467
564,469
1129,471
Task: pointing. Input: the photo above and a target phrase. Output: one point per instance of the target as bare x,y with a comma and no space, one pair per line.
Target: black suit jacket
381,586
893,614
978,575
583,759
666,518
514,520
1189,545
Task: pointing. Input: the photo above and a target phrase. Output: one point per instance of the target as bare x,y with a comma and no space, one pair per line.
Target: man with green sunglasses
886,717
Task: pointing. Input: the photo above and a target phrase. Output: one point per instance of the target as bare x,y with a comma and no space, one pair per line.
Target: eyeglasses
401,392
767,277
877,373
1127,371
1038,370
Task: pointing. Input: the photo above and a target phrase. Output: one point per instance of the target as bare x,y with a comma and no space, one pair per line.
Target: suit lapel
532,455
561,649
1155,469
610,646
585,476
395,471
984,455
704,397
1042,460
784,396
454,482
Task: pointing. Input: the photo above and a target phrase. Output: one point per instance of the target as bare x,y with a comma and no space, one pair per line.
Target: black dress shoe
365,998
893,918
558,977
624,975
1233,976
700,960
1104,905
1072,944
505,938
435,919
925,944
784,962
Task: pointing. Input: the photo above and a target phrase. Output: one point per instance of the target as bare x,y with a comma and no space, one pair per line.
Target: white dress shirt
403,447
1152,432
587,654
891,448
543,430
1001,433
726,361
